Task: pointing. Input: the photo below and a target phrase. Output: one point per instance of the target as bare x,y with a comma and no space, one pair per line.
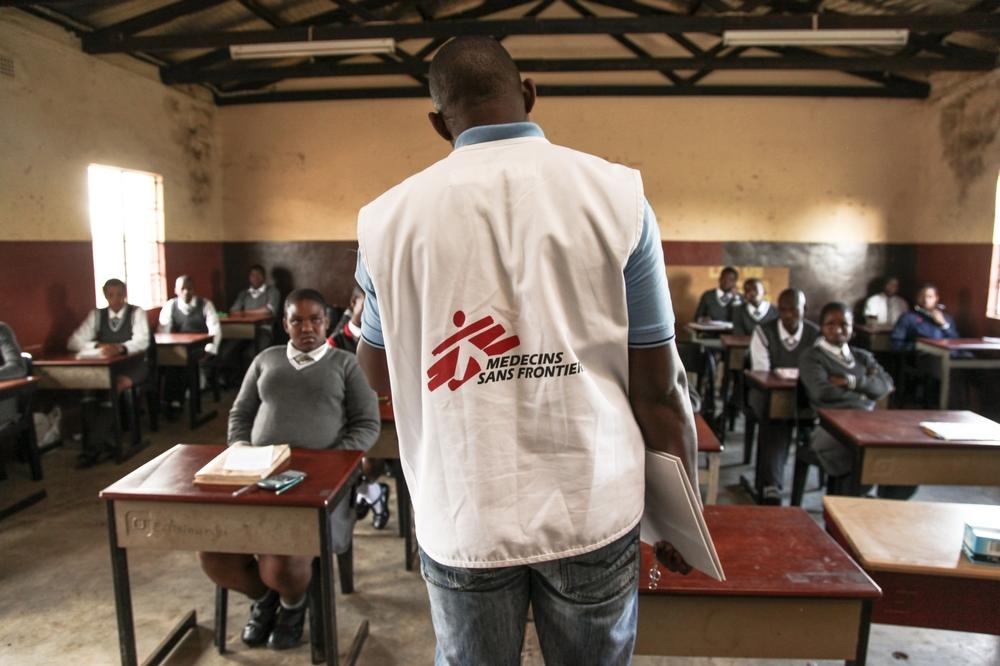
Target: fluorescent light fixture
815,37
310,48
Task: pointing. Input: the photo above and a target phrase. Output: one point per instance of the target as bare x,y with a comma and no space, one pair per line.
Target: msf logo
484,334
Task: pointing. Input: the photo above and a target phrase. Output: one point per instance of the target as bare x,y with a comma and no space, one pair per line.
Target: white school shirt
510,380
300,359
884,309
85,336
207,309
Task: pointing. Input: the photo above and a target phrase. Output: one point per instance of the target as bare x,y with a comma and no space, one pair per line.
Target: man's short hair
258,267
756,280
829,308
113,282
729,269
471,70
797,294
305,295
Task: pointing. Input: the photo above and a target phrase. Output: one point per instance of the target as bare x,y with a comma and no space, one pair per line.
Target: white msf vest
499,278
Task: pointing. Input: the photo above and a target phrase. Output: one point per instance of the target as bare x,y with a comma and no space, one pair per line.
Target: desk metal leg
326,590
123,594
945,381
864,630
22,504
405,519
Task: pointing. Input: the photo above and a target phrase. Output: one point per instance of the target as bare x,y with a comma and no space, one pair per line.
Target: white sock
297,605
262,598
373,493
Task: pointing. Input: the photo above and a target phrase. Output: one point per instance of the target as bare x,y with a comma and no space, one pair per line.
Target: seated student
887,306
308,395
779,343
927,319
754,310
370,494
717,304
186,313
12,366
259,299
120,328
838,376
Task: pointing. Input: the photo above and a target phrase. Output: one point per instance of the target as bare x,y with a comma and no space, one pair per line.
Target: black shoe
287,632
380,509
771,496
262,617
361,507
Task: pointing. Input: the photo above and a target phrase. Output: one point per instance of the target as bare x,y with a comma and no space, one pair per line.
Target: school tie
302,359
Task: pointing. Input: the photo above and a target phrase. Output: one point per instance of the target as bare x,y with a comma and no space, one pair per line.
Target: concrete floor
58,607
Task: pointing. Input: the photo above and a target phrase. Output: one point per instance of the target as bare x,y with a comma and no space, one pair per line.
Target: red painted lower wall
46,287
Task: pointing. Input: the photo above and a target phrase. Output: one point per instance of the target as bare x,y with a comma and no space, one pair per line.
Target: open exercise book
673,514
240,465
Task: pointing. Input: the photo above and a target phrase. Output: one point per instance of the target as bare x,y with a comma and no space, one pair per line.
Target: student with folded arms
839,376
309,395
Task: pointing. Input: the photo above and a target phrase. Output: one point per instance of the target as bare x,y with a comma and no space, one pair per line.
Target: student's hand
704,320
938,317
109,349
837,380
871,371
668,556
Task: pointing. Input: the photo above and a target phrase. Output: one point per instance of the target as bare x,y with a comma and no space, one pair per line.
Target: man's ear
437,122
530,93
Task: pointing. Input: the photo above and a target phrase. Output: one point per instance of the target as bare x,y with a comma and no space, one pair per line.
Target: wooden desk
913,550
874,337
707,335
67,372
734,352
890,448
387,448
185,350
23,390
242,326
773,399
942,350
159,507
790,593
709,444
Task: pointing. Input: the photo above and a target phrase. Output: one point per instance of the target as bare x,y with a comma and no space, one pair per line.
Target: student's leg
234,572
586,607
478,614
373,495
289,576
772,443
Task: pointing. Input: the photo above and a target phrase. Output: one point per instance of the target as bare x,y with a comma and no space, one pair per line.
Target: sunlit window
126,224
993,304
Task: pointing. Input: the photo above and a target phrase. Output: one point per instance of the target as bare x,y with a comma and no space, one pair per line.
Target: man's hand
668,556
109,349
837,380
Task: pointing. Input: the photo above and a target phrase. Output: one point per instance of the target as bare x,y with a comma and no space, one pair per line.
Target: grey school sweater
872,382
327,405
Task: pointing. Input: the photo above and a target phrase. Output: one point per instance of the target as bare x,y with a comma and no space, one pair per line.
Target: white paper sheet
248,458
673,514
90,353
969,432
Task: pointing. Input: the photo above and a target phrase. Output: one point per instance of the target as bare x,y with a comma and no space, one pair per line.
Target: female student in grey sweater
308,395
838,376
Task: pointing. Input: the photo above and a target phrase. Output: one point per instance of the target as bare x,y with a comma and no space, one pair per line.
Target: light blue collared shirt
650,310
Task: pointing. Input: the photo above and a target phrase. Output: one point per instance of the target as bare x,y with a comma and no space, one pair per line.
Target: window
126,224
993,302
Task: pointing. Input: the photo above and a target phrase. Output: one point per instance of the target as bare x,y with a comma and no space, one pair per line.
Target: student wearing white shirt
516,301
259,298
778,344
120,328
887,306
186,313
755,309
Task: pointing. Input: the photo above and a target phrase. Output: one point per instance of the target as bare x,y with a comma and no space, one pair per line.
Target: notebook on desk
967,432
240,465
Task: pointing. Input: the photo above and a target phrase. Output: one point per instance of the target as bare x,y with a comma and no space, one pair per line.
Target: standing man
517,303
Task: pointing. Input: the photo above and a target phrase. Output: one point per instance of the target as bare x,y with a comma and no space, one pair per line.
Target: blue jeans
585,608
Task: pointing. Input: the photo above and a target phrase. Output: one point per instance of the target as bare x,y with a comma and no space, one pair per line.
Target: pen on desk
244,489
290,485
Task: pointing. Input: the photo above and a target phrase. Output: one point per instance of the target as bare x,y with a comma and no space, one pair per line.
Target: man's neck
794,331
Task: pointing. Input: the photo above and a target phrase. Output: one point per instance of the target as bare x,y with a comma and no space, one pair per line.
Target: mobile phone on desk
279,482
